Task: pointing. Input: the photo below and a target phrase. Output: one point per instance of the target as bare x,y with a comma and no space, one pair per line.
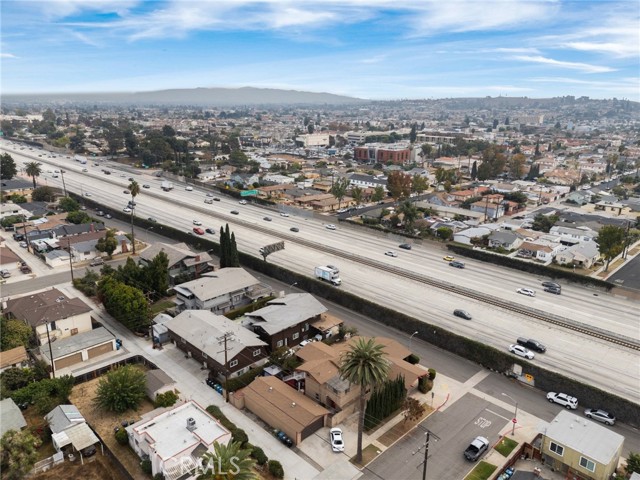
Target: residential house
70,432
201,334
581,448
246,180
17,186
53,312
69,352
367,181
63,417
14,358
9,260
221,291
158,382
285,321
282,407
538,250
490,210
582,255
10,209
506,239
175,439
11,417
581,197
184,264
572,236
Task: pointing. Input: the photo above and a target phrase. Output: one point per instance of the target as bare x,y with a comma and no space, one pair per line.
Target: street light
292,285
515,415
411,338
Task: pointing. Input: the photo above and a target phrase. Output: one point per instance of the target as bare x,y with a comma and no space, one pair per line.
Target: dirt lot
98,467
105,422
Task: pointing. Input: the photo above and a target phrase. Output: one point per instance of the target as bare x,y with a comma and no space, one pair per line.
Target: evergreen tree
474,170
235,259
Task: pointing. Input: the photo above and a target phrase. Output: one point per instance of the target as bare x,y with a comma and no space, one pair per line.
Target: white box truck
328,275
166,186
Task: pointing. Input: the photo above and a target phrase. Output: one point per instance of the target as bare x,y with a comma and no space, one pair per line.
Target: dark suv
532,344
548,284
456,264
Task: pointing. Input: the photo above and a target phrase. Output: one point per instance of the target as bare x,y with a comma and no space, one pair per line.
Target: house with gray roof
70,352
158,382
220,291
201,335
285,321
580,448
583,255
11,417
63,417
572,236
506,239
183,263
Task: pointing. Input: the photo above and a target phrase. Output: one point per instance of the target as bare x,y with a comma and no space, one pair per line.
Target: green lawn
482,471
506,446
160,306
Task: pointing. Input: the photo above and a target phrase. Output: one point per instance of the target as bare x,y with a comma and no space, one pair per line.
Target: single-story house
14,358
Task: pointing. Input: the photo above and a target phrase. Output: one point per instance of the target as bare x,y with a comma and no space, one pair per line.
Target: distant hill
193,96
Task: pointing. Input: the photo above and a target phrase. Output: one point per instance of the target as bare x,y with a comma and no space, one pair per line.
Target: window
296,336
279,343
306,327
555,448
233,363
588,464
256,352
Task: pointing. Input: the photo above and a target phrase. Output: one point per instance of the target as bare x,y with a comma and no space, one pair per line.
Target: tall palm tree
227,462
134,189
33,170
364,364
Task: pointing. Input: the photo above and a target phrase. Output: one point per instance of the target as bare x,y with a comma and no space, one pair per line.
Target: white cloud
7,55
64,8
584,67
375,59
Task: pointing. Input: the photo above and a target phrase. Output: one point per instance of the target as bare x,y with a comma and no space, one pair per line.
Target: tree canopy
14,333
610,241
122,389
8,168
399,185
19,453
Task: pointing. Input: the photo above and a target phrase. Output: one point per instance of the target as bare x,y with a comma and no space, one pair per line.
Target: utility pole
53,368
223,340
426,455
70,258
625,250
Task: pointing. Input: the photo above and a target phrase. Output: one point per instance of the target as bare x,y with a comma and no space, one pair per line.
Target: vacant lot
98,467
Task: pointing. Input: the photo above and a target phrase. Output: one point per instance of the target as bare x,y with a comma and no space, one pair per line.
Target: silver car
600,415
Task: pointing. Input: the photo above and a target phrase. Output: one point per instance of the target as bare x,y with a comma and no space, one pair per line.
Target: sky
371,49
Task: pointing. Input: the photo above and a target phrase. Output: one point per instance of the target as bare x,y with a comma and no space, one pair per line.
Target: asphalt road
571,354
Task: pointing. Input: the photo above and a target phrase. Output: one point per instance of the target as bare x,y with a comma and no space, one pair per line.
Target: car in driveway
23,244
567,401
330,226
456,264
529,292
234,212
521,351
198,231
337,442
391,253
554,290
448,258
476,449
600,415
462,314
405,246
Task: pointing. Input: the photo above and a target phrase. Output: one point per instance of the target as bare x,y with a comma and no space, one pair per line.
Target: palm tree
364,364
134,189
33,170
227,462
410,214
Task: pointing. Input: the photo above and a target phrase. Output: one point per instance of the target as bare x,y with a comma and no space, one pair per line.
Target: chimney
191,424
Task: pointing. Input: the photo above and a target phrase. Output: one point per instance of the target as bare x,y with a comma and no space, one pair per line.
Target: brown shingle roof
46,307
13,356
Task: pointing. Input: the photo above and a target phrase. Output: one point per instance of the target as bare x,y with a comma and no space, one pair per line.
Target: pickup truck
532,344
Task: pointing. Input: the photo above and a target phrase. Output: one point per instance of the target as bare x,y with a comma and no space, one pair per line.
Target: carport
79,436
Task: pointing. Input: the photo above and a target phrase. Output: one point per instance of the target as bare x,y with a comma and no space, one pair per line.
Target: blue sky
364,48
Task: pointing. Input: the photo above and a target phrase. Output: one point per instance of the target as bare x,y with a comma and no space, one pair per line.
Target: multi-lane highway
401,282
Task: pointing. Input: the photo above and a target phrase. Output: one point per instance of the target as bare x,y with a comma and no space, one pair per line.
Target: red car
198,230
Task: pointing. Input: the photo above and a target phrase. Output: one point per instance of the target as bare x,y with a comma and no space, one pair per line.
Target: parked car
600,415
4,273
24,268
462,314
521,351
391,253
476,448
337,443
456,264
563,399
23,244
527,291
405,246
96,261
330,226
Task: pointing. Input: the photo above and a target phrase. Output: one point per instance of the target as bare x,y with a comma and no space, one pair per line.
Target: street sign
514,420
248,193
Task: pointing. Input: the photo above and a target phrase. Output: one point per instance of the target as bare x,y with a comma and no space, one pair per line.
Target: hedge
537,269
243,380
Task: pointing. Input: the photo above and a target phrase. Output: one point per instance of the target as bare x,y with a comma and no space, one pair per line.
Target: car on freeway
208,201
100,213
554,290
531,344
211,231
567,401
189,188
127,210
551,284
152,219
462,314
405,246
209,194
521,351
284,214
448,258
267,219
234,212
242,202
122,175
600,415
330,226
216,199
294,229
146,185
456,264
476,448
197,222
391,253
108,215
126,192
85,170
530,292
131,179
198,230
337,442
87,194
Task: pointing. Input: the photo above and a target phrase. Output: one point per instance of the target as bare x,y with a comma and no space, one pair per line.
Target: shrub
243,380
275,469
146,466
259,455
158,476
432,374
166,399
413,359
122,437
423,383
240,436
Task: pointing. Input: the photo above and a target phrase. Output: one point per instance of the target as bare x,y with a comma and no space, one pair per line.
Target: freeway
367,272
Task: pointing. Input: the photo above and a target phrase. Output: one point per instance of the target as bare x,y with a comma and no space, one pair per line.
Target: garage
78,350
68,361
100,350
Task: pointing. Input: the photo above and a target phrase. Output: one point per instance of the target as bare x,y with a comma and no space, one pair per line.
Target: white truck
328,275
166,186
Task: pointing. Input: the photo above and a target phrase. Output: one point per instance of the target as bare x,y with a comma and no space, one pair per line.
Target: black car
294,229
462,314
553,290
216,199
531,344
456,264
551,285
405,246
267,219
234,212
210,230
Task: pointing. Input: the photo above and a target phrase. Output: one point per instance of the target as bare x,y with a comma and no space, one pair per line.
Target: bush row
243,380
537,269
